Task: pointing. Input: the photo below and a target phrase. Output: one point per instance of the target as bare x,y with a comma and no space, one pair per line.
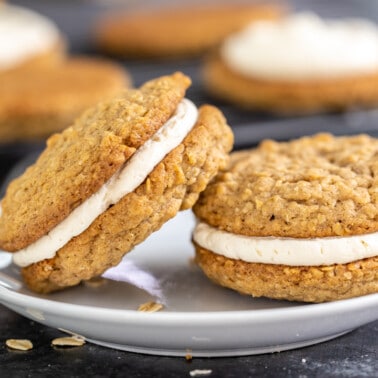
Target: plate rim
93,312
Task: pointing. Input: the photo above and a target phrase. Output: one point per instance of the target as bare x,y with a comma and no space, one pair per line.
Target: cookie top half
78,161
315,186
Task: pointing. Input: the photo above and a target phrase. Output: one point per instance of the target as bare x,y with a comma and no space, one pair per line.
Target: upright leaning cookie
103,185
28,39
178,31
295,221
299,64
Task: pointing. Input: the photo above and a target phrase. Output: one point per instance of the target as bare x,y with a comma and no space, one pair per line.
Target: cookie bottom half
304,97
302,283
173,185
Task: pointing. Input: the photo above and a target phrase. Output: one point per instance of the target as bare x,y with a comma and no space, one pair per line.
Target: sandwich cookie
179,31
297,65
295,220
38,101
28,39
103,185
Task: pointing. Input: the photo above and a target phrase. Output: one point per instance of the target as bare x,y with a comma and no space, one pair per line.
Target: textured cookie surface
311,187
78,161
309,284
289,97
174,184
177,31
40,100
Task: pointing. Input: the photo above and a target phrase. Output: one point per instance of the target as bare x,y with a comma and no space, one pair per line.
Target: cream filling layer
303,46
126,180
287,251
24,34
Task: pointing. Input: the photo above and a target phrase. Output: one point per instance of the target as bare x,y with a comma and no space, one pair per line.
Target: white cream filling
126,180
287,251
24,34
303,46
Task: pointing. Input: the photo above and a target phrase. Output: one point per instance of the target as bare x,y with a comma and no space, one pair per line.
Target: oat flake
19,344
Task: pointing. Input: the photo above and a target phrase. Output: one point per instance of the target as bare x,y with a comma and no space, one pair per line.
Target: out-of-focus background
77,19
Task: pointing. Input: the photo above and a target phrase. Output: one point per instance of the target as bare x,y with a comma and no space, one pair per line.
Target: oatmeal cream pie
298,64
27,39
104,184
176,31
38,101
295,220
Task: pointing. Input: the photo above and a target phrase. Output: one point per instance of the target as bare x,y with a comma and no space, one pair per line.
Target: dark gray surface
352,355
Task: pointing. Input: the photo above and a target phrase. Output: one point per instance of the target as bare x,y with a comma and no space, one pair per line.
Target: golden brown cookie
297,64
176,31
88,157
308,284
39,100
302,97
295,220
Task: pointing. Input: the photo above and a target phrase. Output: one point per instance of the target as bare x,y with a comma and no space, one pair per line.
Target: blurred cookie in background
177,31
40,100
28,39
297,65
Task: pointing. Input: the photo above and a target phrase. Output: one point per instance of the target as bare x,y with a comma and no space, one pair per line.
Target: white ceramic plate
199,317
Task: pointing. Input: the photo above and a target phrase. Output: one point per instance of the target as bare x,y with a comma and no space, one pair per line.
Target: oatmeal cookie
294,220
111,143
288,98
39,100
178,31
297,64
